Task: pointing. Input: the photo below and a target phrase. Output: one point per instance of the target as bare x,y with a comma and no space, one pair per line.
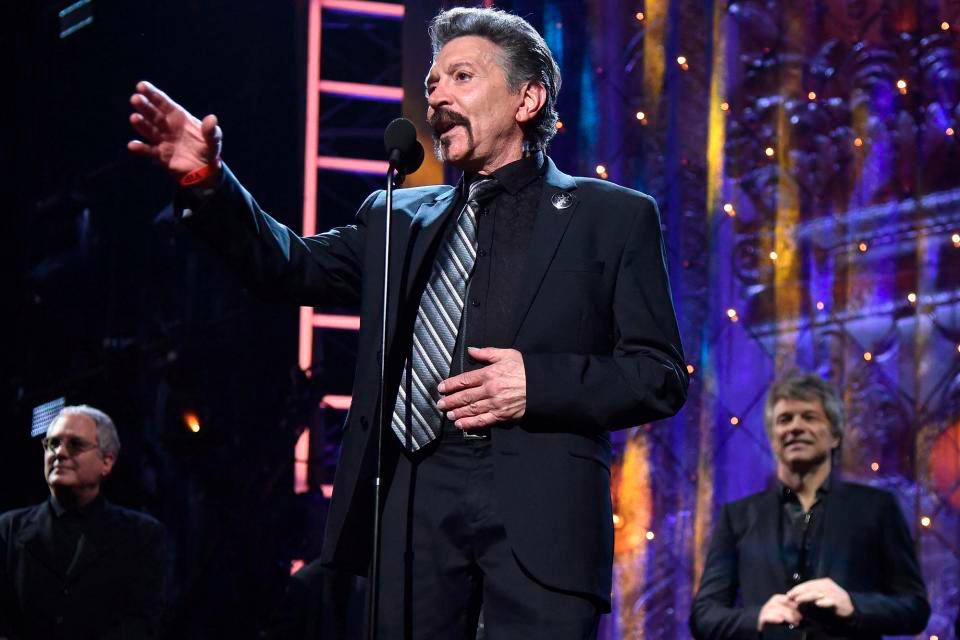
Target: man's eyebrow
460,64
454,66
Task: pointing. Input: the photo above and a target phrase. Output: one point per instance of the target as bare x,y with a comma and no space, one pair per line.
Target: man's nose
438,97
789,427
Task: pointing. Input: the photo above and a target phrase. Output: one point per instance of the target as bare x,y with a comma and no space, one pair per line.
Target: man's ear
533,97
108,461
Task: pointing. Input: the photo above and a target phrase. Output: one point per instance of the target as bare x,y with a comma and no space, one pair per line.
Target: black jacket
866,549
113,589
594,321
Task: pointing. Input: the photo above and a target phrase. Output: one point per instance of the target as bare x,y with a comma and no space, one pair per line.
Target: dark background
111,303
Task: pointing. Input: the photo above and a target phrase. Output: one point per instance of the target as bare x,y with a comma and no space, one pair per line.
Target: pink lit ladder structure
310,321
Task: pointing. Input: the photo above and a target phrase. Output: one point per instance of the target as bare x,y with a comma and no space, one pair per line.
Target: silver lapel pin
561,200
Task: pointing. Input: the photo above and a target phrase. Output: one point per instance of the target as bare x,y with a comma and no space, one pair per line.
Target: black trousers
445,553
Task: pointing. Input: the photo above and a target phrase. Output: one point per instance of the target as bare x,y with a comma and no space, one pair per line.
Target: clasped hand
492,394
823,593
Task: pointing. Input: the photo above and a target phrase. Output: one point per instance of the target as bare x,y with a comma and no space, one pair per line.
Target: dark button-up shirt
504,228
68,526
801,544
801,534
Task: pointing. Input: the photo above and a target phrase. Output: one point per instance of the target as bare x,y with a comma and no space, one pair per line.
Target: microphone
405,155
404,151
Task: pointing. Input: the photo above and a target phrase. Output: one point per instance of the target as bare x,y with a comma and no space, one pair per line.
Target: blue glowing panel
43,414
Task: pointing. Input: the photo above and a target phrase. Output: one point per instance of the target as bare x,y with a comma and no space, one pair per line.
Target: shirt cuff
190,200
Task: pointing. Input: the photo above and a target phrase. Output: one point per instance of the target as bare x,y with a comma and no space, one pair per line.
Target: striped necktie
416,418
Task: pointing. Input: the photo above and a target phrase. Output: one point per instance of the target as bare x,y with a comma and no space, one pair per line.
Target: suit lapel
410,240
35,537
548,229
768,530
830,539
424,227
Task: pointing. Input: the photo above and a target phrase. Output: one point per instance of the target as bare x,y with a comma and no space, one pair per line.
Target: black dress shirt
68,526
801,543
504,227
801,534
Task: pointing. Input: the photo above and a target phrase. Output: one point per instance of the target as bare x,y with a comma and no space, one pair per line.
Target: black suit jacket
866,549
113,590
594,322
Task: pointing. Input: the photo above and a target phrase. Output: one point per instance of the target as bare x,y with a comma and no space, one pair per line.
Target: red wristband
199,175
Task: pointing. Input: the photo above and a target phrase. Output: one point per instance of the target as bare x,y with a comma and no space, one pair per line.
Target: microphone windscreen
413,160
400,135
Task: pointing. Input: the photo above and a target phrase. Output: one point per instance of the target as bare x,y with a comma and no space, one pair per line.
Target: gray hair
803,385
526,57
107,439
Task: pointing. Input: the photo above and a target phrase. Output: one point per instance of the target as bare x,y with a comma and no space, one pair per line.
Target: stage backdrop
805,159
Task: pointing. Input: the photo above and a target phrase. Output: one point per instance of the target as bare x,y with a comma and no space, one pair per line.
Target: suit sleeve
645,378
273,260
902,607
715,614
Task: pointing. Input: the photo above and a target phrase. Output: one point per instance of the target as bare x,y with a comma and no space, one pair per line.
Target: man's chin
452,153
803,462
453,149
61,479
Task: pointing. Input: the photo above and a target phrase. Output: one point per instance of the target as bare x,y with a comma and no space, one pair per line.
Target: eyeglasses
73,446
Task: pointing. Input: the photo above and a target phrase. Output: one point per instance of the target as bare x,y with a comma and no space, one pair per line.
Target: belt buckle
475,434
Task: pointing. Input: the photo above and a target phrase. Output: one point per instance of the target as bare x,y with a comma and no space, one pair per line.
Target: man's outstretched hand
171,135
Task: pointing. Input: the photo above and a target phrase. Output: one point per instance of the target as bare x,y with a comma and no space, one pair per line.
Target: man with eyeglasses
76,566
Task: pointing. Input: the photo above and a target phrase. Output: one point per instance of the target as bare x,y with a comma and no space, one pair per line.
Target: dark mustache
444,117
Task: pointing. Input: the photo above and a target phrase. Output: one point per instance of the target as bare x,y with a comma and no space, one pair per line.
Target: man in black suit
497,482
813,557
76,566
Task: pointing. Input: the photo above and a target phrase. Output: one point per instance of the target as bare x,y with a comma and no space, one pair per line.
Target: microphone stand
395,177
